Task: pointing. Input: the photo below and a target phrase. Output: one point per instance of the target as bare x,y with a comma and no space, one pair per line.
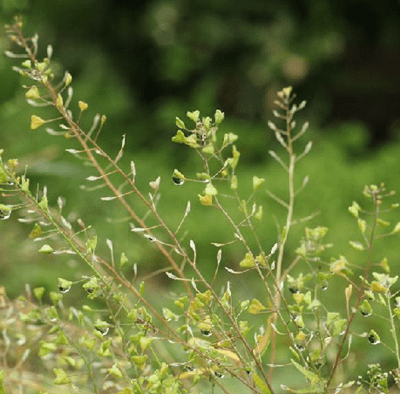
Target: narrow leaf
261,384
311,376
133,171
121,151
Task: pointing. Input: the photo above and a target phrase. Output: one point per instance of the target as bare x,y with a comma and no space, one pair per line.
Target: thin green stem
83,138
360,293
394,332
282,244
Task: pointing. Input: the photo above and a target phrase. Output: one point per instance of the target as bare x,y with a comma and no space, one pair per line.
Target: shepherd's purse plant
286,335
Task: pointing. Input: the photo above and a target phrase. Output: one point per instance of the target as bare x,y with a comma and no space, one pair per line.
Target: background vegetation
144,64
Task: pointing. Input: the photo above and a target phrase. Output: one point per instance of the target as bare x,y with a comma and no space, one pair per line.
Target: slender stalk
394,332
282,245
229,315
83,138
360,293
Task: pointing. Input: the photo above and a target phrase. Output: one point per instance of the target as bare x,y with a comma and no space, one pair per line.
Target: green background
144,64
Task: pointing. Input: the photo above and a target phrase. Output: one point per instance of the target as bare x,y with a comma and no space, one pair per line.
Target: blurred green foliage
154,58
144,64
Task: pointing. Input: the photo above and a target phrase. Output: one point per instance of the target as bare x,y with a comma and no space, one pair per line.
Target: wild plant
207,339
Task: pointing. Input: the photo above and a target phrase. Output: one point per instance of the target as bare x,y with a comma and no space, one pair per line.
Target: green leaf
181,302
62,339
205,200
234,182
44,203
229,138
385,279
209,148
247,262
145,342
68,79
38,291
71,361
314,304
3,176
259,214
33,93
180,123
233,161
89,343
256,307
46,348
261,260
61,376
207,122
385,265
123,260
356,245
27,64
104,350
261,384
64,285
338,265
24,184
91,285
193,115
365,308
36,122
60,101
382,223
115,371
376,286
2,388
307,298
36,231
139,360
316,233
354,209
192,141
244,327
179,138
55,297
83,106
362,225
257,182
300,340
243,207
219,116
51,313
331,317
169,315
46,249
202,175
211,190
91,244
339,327
373,337
126,390
178,178
225,299
298,320
309,375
